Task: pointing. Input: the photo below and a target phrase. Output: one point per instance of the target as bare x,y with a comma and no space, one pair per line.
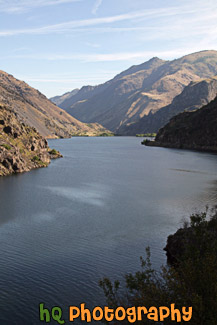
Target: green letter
44,313
57,314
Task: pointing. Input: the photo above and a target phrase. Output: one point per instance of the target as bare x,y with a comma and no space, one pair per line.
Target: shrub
106,134
53,152
190,282
36,159
149,135
6,146
144,141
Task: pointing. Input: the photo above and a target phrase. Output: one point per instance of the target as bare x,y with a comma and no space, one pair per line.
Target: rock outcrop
190,130
176,244
22,148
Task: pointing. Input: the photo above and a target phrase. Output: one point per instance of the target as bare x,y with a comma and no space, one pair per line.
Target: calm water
89,215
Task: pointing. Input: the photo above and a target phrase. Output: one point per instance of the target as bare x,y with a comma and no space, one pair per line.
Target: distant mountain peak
140,90
155,59
59,99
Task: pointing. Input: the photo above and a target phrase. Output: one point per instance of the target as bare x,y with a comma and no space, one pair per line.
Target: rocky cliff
190,130
35,110
139,91
22,148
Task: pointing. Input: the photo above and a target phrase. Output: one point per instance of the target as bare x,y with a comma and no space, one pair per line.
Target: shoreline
150,143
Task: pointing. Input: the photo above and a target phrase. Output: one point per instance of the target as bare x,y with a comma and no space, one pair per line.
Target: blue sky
59,45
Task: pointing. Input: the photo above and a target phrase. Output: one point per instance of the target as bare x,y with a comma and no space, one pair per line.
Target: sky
58,45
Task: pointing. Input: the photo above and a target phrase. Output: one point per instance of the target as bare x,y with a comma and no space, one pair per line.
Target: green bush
190,282
106,134
36,159
53,152
144,141
150,135
6,146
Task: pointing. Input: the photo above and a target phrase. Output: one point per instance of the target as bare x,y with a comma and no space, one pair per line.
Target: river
92,214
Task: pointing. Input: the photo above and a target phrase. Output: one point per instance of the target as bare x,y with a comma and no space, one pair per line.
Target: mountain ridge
139,90
194,96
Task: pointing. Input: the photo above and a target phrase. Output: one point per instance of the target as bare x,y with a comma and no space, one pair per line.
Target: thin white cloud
20,6
96,6
110,57
94,45
63,27
71,25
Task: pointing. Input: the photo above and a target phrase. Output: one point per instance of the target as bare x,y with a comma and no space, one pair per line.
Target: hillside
141,90
35,110
194,96
22,148
190,130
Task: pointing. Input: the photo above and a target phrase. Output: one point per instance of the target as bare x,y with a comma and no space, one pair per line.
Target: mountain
58,100
190,130
22,148
35,110
139,91
194,96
